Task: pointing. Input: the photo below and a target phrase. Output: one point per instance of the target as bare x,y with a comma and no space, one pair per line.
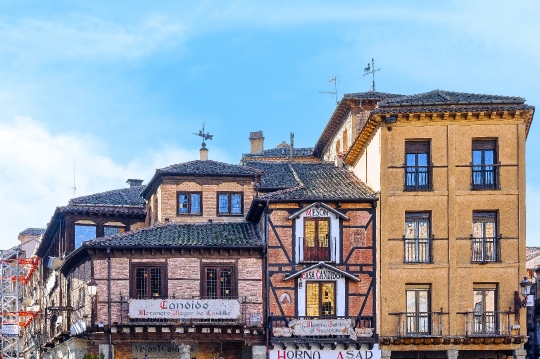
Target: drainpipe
267,280
109,299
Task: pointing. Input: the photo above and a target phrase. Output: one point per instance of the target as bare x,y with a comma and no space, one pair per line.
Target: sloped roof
209,168
282,152
32,232
311,181
182,234
118,197
371,95
440,97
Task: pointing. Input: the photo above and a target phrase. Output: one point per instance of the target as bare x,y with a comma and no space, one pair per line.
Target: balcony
485,250
485,177
420,324
318,250
193,311
418,178
350,329
418,250
487,324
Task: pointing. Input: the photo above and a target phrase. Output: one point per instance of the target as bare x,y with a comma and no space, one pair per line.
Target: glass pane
489,157
323,233
423,301
411,159
211,283
422,159
489,229
84,233
226,283
312,299
141,279
423,229
489,304
109,231
478,230
195,203
410,229
477,301
477,157
236,203
183,203
309,234
223,206
155,282
328,297
411,301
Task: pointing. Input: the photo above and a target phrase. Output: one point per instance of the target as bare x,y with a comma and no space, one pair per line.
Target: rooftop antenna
335,80
74,188
204,135
370,69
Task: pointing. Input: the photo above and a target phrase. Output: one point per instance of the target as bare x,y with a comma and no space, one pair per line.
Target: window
485,314
484,167
149,281
484,237
338,147
218,282
320,299
417,169
316,239
110,230
417,238
230,203
345,140
84,232
189,203
418,310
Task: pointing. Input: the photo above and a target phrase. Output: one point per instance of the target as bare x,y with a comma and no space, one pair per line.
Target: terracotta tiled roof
371,95
311,181
119,197
439,97
209,168
140,210
182,234
282,152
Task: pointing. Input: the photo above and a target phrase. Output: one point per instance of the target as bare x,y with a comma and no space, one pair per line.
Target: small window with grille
218,282
189,203
417,166
230,203
148,281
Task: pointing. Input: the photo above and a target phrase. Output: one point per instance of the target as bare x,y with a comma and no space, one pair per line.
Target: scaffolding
15,271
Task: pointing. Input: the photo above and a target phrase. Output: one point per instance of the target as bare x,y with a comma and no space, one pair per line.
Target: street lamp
526,285
91,286
35,306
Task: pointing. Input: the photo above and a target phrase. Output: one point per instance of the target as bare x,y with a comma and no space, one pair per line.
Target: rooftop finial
370,69
204,135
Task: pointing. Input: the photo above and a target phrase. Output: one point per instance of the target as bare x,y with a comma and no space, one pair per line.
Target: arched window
338,147
345,140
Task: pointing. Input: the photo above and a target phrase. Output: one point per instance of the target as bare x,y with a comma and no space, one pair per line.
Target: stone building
449,169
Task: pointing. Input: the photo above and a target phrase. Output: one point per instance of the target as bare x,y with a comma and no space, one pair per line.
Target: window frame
75,246
229,203
417,242
416,315
119,227
484,318
219,266
189,212
320,306
484,145
317,247
417,147
479,244
133,279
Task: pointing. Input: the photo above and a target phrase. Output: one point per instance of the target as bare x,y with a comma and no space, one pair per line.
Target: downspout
267,281
109,299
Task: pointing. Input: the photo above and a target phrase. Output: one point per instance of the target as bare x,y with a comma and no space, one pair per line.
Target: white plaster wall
368,168
330,154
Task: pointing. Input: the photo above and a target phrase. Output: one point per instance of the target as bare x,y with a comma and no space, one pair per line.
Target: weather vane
204,135
335,80
370,69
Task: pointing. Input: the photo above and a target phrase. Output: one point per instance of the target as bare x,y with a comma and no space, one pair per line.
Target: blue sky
118,88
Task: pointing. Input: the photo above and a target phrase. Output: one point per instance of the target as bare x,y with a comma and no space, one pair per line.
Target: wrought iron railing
320,253
423,324
418,178
343,327
484,177
418,250
485,249
487,323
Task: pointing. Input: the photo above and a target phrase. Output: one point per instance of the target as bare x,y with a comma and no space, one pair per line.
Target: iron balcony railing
418,178
485,177
325,251
418,250
250,314
420,324
485,249
487,323
323,327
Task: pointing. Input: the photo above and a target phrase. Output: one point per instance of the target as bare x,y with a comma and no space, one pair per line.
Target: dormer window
189,203
84,231
229,203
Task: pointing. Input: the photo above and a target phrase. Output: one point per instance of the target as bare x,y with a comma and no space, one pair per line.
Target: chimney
134,182
257,141
291,149
203,154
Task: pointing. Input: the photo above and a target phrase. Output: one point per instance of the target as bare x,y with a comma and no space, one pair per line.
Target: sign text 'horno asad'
184,308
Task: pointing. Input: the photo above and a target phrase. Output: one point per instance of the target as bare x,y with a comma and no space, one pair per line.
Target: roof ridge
296,177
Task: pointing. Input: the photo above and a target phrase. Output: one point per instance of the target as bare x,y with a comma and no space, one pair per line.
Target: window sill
188,214
229,215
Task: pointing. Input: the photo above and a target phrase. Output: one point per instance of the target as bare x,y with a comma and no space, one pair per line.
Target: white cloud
37,172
